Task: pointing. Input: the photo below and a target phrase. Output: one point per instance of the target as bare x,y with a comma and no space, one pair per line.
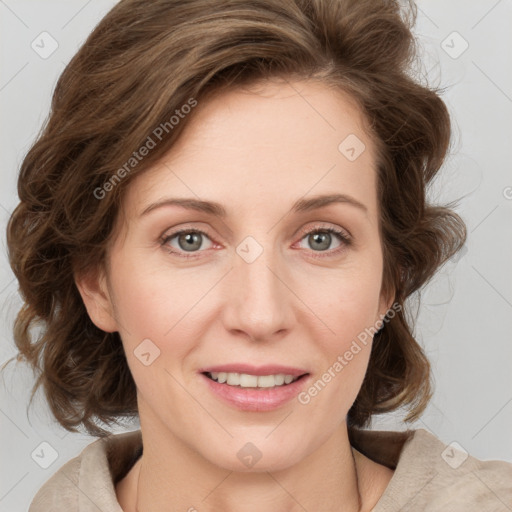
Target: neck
174,477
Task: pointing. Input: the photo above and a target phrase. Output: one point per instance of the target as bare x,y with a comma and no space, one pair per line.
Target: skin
255,151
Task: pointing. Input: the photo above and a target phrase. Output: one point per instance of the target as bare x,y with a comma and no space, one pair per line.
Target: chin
258,456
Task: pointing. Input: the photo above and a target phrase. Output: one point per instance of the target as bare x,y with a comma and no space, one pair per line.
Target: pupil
192,240
317,237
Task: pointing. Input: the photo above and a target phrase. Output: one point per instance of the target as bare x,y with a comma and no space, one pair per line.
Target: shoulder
430,475
455,480
88,479
59,491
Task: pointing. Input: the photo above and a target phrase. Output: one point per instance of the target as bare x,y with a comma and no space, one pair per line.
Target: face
270,275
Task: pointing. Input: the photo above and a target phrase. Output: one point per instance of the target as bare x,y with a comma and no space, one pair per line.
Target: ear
386,301
97,299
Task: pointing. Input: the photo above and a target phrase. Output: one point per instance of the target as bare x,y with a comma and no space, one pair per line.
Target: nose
258,305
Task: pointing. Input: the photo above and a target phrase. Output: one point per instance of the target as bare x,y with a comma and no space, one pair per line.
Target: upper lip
269,369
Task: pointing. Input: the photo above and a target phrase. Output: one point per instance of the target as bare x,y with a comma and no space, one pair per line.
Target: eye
185,240
319,239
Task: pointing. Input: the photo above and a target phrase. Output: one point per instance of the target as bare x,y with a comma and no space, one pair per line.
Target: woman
219,228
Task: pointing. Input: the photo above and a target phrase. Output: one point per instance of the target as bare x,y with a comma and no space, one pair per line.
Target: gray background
464,321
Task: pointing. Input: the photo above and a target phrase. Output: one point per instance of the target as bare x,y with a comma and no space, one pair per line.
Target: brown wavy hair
142,63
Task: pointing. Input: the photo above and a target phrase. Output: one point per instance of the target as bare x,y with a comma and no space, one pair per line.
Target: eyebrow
216,209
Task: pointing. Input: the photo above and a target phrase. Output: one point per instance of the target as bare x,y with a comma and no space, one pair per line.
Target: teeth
248,381
245,380
280,379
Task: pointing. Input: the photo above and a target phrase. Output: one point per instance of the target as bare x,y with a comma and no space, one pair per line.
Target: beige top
428,476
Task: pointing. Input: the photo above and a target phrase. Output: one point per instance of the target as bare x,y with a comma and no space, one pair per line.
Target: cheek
350,309
349,304
152,316
151,303
346,352
160,313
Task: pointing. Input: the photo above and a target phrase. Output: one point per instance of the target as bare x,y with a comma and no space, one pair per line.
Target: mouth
255,393
247,380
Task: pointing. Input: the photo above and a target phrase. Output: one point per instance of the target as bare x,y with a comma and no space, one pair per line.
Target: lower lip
256,399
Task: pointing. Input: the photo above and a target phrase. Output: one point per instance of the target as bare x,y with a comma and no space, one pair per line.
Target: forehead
274,141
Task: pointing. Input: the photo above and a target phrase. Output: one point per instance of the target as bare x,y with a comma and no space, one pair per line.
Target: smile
254,393
245,380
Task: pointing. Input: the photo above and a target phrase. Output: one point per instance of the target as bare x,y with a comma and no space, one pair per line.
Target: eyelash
344,238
